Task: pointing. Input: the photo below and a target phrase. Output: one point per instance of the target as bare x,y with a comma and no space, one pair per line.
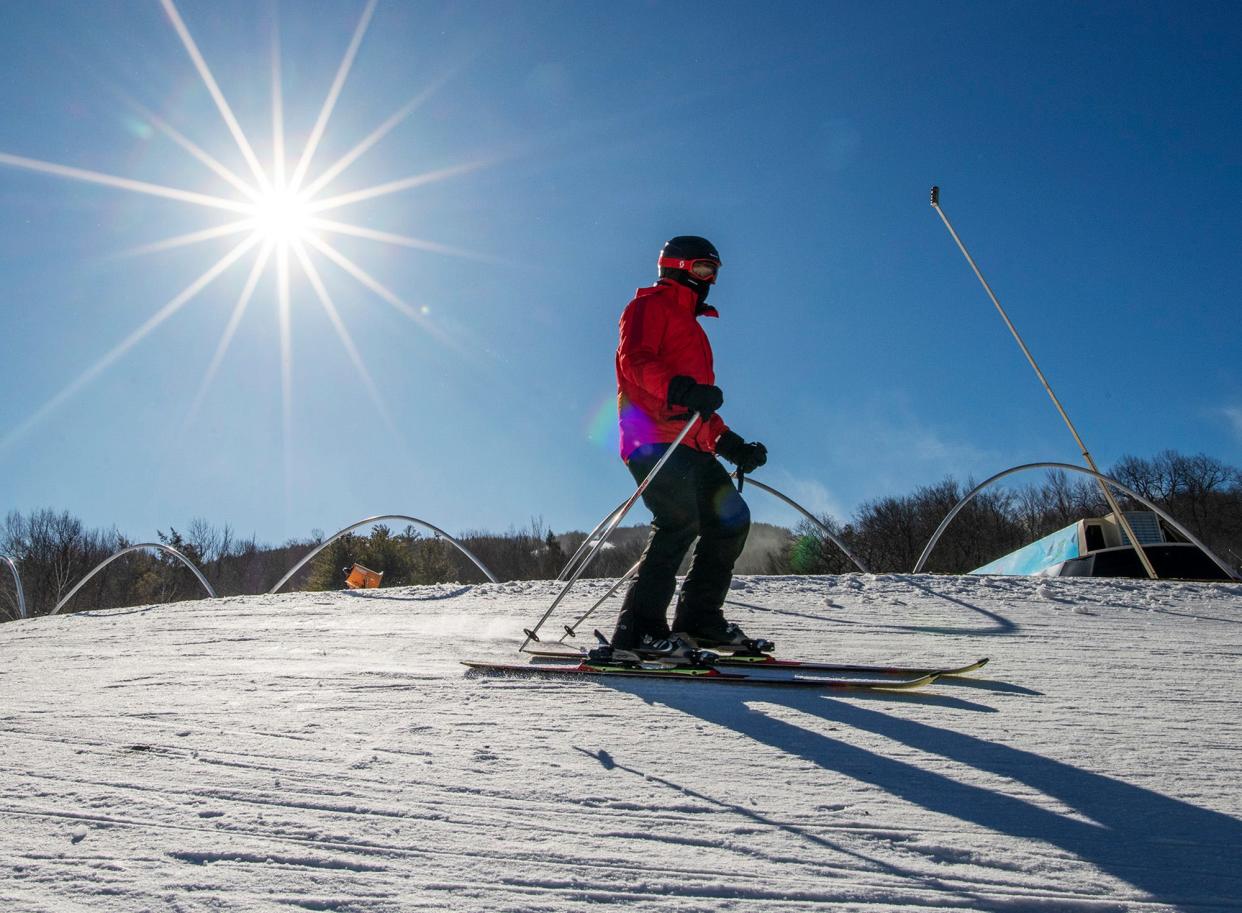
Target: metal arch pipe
17,582
439,533
750,480
168,549
571,630
1099,477
858,563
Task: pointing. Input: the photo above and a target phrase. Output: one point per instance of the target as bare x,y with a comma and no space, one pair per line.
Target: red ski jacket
661,339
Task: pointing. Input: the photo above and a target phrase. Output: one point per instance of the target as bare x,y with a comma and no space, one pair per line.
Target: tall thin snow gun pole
1108,495
533,633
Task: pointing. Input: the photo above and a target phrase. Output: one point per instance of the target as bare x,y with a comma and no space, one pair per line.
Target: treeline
54,550
889,534
537,553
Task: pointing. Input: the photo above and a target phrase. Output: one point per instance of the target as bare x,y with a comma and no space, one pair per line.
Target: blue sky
1088,154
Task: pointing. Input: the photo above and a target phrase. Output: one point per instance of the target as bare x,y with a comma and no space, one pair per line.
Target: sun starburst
282,216
279,212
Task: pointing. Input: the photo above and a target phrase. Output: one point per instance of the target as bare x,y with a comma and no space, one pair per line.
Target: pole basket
363,578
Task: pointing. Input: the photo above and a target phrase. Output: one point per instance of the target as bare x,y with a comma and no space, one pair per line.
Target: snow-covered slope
327,752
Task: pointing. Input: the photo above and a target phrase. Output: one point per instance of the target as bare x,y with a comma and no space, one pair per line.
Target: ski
767,661
706,674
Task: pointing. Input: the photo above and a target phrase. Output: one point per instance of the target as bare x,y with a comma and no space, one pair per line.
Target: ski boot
673,650
727,636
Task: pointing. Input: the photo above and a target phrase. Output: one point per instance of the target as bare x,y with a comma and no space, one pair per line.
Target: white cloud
891,448
873,447
812,494
1234,415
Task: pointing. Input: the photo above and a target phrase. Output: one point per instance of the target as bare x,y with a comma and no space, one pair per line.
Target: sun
281,210
283,217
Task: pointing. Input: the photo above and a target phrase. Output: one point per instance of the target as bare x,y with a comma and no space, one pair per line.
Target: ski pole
1108,495
532,633
572,630
587,543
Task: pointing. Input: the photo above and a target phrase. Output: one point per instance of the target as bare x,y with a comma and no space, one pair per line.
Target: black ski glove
746,457
702,398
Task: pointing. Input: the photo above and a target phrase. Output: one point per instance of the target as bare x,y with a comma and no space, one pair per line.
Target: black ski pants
692,496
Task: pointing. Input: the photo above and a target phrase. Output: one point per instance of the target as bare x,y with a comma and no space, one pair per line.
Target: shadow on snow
1176,852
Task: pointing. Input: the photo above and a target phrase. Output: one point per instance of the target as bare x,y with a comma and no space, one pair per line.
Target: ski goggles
701,269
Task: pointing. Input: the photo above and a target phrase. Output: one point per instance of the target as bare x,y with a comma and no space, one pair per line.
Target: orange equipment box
363,578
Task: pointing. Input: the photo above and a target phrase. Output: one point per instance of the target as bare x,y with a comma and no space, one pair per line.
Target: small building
1099,547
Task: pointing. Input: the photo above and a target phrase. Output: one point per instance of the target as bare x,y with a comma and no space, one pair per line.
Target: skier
664,375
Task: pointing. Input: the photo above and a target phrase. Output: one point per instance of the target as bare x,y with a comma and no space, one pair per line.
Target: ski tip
896,684
962,670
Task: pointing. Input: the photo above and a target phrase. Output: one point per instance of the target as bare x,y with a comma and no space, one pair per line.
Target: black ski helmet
678,255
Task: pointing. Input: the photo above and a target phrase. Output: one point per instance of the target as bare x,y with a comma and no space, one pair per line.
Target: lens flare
601,429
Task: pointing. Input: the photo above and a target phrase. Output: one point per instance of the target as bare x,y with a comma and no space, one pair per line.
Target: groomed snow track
325,751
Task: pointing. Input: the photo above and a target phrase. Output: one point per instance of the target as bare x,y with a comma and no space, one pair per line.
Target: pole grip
935,196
